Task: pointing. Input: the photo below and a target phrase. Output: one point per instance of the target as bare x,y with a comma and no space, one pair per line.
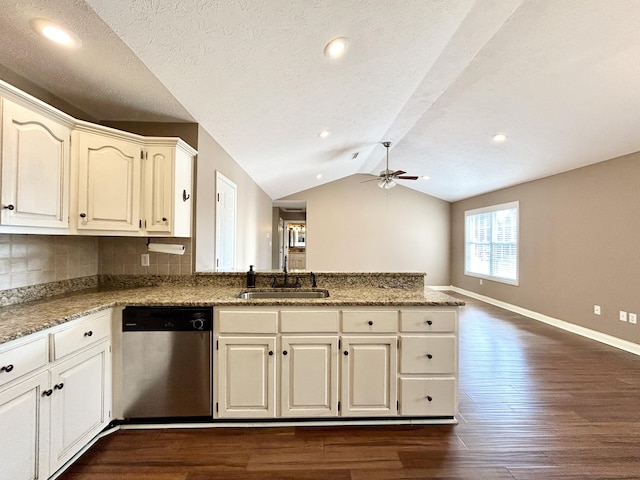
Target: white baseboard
568,326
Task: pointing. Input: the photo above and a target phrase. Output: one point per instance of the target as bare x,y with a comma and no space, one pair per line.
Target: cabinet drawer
428,321
247,322
300,321
23,359
431,397
82,332
426,354
373,321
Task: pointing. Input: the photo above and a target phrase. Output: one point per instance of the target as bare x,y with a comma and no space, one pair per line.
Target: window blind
491,242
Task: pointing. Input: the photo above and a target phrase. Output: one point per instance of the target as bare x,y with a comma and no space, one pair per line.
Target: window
491,243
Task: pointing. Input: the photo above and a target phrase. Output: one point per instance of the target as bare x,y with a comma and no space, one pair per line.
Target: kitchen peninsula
381,347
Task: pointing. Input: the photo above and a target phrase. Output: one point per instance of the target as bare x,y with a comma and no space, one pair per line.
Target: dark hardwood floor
535,403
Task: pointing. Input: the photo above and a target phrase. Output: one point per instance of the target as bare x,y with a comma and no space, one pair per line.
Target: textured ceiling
436,77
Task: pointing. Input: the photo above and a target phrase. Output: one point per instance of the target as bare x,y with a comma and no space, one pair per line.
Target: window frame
492,209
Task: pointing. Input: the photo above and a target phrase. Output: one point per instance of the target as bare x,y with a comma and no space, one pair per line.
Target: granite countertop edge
20,320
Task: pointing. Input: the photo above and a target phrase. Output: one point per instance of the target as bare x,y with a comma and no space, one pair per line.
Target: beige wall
579,245
253,209
354,226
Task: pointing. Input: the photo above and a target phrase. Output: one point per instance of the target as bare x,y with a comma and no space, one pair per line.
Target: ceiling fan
387,177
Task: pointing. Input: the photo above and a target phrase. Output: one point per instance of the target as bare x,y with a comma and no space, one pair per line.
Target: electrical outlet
144,259
597,310
633,318
480,281
623,316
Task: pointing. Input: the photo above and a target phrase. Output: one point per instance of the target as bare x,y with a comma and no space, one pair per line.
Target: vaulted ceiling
437,78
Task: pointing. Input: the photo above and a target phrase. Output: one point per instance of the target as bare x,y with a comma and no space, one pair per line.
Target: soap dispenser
251,277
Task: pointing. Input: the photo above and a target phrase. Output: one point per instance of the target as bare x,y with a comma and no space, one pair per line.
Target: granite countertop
25,318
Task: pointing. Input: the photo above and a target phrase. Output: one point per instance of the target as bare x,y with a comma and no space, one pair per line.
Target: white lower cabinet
354,362
24,429
246,377
369,376
309,376
80,402
55,408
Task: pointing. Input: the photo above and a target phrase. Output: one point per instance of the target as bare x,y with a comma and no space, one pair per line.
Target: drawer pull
429,356
429,398
47,393
88,334
7,369
370,322
429,322
58,386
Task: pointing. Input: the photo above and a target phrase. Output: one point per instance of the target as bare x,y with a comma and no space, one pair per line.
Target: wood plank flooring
535,403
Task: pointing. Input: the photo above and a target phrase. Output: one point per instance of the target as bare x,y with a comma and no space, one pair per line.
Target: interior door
226,198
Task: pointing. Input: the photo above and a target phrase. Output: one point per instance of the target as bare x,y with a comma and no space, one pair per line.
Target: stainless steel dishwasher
166,362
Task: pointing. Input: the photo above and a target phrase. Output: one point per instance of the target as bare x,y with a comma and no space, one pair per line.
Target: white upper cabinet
109,172
132,185
35,169
168,167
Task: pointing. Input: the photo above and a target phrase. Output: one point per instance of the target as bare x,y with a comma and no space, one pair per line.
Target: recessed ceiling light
324,134
55,33
499,137
319,176
425,177
336,47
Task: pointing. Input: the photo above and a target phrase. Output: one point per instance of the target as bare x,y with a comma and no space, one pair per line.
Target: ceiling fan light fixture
336,47
386,183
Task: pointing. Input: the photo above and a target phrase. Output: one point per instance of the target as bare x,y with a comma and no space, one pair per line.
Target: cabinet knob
429,398
88,334
270,353
346,352
47,393
83,215
429,322
58,386
164,219
284,352
6,368
370,322
429,356
9,207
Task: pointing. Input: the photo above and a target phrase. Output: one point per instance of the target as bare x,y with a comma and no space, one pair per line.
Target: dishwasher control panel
167,319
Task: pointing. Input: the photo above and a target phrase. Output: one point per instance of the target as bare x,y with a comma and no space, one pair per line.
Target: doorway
226,200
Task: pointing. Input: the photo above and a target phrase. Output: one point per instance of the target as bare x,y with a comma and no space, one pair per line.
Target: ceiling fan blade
372,180
407,177
397,172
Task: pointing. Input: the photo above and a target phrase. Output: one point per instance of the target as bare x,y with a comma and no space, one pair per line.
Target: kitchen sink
283,293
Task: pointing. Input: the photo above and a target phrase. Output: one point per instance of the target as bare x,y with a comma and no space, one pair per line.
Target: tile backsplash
27,260
122,256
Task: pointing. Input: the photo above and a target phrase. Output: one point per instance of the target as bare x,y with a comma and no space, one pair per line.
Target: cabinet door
80,402
158,185
24,430
35,169
309,380
369,373
246,377
108,183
